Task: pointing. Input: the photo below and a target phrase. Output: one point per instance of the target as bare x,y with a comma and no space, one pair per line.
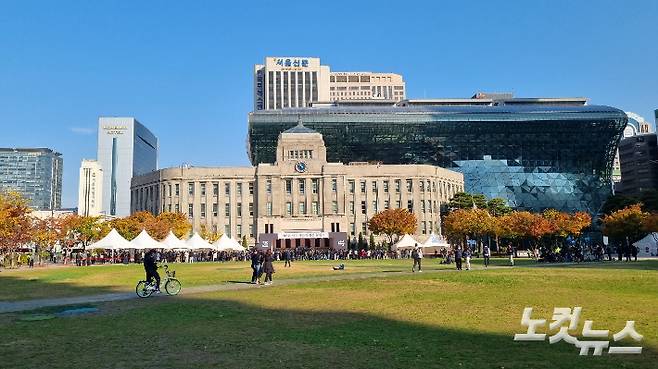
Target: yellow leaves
627,222
393,222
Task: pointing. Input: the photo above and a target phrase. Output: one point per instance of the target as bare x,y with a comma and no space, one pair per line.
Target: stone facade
300,192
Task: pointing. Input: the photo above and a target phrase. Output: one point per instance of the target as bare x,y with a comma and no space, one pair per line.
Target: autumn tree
627,225
393,222
463,224
208,234
175,222
81,230
15,223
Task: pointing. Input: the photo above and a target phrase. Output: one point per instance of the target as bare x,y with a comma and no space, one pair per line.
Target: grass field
438,319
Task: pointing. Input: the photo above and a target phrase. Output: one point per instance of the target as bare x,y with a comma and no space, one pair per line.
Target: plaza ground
385,317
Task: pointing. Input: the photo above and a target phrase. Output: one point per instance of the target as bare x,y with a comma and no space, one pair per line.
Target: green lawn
430,320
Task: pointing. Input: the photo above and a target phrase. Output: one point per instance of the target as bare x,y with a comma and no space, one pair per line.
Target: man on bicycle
151,268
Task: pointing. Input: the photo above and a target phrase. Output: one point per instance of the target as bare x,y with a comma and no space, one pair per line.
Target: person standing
286,258
510,252
486,253
256,265
467,257
417,255
268,267
458,258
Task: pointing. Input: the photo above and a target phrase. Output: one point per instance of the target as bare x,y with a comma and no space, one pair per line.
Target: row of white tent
433,242
114,241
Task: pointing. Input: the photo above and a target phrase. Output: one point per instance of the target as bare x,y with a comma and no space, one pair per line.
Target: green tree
245,243
498,207
372,245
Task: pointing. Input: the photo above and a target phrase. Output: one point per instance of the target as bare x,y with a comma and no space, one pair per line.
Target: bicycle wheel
142,289
173,286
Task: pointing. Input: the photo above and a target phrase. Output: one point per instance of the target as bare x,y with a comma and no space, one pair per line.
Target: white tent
648,246
171,242
406,242
226,243
144,242
435,242
196,242
113,241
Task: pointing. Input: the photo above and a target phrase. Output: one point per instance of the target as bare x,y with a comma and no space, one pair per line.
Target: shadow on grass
208,331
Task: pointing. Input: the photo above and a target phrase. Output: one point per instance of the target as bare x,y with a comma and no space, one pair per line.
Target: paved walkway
26,305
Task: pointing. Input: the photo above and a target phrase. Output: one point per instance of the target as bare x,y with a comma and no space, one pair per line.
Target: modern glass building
34,173
536,156
126,148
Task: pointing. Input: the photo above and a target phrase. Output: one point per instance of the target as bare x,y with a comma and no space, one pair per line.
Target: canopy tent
648,246
226,243
406,242
144,242
113,241
196,242
171,242
434,243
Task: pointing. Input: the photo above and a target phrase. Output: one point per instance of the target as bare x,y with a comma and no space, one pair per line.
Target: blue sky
184,68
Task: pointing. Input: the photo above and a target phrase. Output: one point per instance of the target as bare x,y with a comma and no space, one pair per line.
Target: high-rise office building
126,148
90,189
296,82
35,173
636,125
639,164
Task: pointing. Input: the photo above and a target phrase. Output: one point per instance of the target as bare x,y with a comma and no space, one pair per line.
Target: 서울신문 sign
295,235
292,63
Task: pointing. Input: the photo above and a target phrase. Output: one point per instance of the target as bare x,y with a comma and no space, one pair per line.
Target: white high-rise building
90,189
295,82
126,148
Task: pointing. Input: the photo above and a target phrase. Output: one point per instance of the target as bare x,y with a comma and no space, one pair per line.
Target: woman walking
268,267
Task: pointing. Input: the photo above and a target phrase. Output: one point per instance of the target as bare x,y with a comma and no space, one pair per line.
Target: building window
374,205
268,186
227,210
410,206
177,207
363,228
251,230
215,189
374,186
351,207
423,227
334,207
227,230
190,188
409,185
363,186
251,188
386,186
421,185
288,186
227,188
315,183
398,204
422,205
386,204
203,189
363,207
429,205
352,229
302,186
269,209
177,186
215,209
190,210
314,208
302,208
288,208
334,184
351,185
203,210
239,209
238,229
251,209
397,185
238,189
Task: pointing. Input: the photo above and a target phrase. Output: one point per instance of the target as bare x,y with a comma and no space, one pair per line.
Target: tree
208,235
498,207
393,222
175,222
462,224
627,224
46,233
372,242
15,223
76,229
465,200
245,243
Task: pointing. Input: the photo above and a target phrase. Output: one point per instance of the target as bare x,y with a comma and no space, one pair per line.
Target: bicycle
172,285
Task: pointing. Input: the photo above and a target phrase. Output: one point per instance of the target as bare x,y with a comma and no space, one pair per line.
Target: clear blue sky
184,68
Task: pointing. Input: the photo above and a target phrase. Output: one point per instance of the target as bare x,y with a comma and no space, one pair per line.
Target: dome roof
299,128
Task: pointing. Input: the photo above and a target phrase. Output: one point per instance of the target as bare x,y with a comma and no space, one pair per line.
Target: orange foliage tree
627,225
393,222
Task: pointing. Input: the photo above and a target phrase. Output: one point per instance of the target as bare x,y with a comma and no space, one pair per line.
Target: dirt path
26,305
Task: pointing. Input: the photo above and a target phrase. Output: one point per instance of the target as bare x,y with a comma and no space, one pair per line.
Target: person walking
417,255
510,252
458,258
268,267
486,254
256,265
467,257
287,258
633,252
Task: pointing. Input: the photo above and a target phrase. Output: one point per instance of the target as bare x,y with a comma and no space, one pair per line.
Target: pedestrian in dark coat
286,258
458,258
268,267
256,266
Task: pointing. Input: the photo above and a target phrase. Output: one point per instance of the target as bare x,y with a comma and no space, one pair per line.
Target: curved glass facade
534,156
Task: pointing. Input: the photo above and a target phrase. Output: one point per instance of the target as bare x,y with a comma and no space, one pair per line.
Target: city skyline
122,61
